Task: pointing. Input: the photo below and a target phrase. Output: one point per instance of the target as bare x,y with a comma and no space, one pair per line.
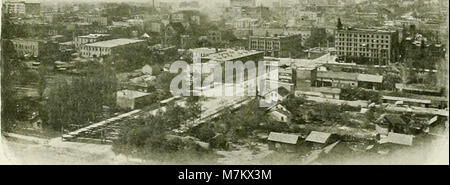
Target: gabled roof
283,138
394,119
318,137
401,139
178,27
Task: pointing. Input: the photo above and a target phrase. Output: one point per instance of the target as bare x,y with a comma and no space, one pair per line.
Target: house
280,113
283,142
319,140
172,34
277,95
129,99
142,83
393,123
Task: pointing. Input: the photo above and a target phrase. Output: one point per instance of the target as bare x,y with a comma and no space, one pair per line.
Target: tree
390,79
293,104
193,108
82,100
8,104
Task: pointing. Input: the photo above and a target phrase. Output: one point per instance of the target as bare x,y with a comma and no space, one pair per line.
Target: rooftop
350,76
231,55
283,138
368,30
401,139
318,137
114,43
393,98
93,36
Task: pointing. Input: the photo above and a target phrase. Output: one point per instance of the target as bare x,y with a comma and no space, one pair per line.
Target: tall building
275,46
14,7
367,46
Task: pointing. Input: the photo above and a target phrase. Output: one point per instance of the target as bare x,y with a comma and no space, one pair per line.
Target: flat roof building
276,45
367,46
103,48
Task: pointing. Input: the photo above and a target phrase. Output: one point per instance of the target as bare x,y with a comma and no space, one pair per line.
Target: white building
103,48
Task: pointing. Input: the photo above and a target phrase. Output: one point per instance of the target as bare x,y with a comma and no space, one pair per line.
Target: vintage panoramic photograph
224,82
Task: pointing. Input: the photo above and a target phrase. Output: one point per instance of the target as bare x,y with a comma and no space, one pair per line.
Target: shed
318,137
281,141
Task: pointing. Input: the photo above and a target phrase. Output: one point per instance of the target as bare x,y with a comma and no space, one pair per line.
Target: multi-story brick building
85,39
275,46
108,47
102,21
27,46
367,45
14,7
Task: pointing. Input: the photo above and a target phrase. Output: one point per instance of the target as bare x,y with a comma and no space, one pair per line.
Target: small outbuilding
319,139
283,142
129,99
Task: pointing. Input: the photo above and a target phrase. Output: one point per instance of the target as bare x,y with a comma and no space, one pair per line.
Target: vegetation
352,94
81,101
294,105
149,136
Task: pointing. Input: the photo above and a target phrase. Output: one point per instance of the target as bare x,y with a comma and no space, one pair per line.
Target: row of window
362,35
361,54
95,49
349,45
364,40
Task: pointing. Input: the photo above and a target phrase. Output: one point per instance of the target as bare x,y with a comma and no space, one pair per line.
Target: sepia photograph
224,82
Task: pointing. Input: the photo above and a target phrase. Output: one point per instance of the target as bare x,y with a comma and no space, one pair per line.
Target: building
283,142
406,101
108,47
186,17
277,95
129,99
280,113
242,3
28,47
14,8
367,46
275,46
420,90
32,8
244,23
343,80
172,34
233,55
398,139
214,36
91,38
319,140
101,21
